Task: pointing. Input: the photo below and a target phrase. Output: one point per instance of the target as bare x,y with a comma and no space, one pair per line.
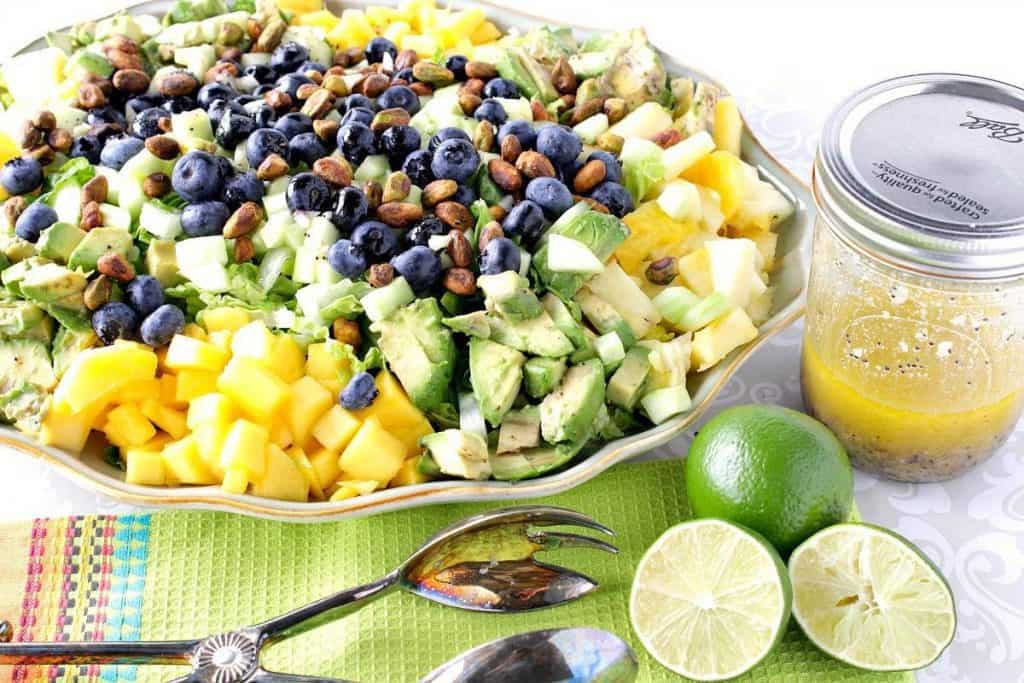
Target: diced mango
289,359
352,30
308,402
257,390
210,438
245,447
392,406
138,390
69,432
410,435
282,479
298,456
409,473
322,363
353,488
715,341
281,436
191,384
184,464
485,33
723,172
222,339
728,125
194,331
126,426
322,19
169,391
144,467
254,341
187,353
96,375
235,481
213,407
225,318
299,6
158,442
372,454
325,466
335,428
168,419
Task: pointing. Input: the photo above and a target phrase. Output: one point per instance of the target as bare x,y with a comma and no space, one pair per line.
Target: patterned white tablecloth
973,528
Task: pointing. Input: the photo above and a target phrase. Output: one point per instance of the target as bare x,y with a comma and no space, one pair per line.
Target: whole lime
772,469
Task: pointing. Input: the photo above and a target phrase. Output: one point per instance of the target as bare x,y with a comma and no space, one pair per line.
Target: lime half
710,599
867,597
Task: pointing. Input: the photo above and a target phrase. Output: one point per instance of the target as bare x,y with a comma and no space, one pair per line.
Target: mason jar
914,346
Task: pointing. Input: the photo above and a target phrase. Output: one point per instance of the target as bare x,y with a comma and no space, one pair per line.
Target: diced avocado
84,62
627,384
519,430
509,295
25,406
59,240
458,453
119,24
603,316
533,462
98,242
542,375
568,413
523,70
537,336
52,283
475,324
601,233
67,345
564,320
19,318
616,287
428,466
547,44
521,305
16,249
14,274
585,352
162,262
496,373
25,361
637,75
420,351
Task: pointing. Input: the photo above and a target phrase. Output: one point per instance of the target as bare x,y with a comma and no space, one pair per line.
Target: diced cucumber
160,222
674,302
685,154
210,277
197,60
276,230
114,182
471,419
702,314
325,273
145,164
661,404
192,124
518,108
591,129
115,217
566,255
610,349
380,303
68,204
200,251
311,299
275,204
680,200
305,264
320,232
374,167
130,197
250,58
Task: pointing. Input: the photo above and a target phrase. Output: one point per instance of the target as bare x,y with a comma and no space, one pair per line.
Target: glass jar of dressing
914,346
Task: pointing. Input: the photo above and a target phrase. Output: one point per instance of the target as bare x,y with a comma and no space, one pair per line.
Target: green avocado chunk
626,385
98,242
568,413
420,351
458,454
162,262
59,240
496,373
542,375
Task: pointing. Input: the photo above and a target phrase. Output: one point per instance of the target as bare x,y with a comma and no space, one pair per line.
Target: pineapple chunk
97,375
352,30
724,173
325,466
225,318
309,401
184,464
335,428
714,342
289,360
191,384
322,19
235,481
397,31
194,331
187,353
734,267
459,25
409,474
245,447
144,467
280,435
728,125
66,431
282,479
424,45
258,391
126,426
762,208
168,419
485,33
213,407
372,454
298,456
254,341
695,272
299,6
138,390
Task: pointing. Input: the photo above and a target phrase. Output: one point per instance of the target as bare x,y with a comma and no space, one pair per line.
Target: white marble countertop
789,63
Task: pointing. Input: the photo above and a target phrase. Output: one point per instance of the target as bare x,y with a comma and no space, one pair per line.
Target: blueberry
264,116
522,130
501,87
308,192
290,83
363,115
376,240
306,148
261,73
149,123
310,65
356,142
141,103
499,255
245,100
219,108
114,321
288,57
491,110
144,294
262,89
21,175
421,233
417,167
117,151
420,266
233,128
357,100
160,326
359,393
446,134
378,47
612,167
182,103
526,220
241,188
88,147
457,65
347,259
614,196
227,169
264,142
198,176
551,195
398,142
202,219
350,209
464,195
293,124
105,115
214,91
33,220
455,159
559,144
403,75
399,96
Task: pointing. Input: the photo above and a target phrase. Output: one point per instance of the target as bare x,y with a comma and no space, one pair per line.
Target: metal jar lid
927,172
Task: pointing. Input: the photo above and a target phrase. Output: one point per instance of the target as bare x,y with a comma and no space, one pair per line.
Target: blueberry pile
143,312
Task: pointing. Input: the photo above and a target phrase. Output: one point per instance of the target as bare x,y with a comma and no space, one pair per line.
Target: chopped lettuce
548,44
642,167
77,171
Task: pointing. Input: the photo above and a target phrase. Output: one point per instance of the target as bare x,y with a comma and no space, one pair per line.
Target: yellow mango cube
281,436
222,339
723,172
188,353
69,432
144,467
301,461
335,428
245,446
410,435
289,359
257,390
325,467
183,462
126,426
299,6
322,19
409,474
210,438
97,375
168,419
158,442
352,30
224,318
372,454
139,390
485,33
308,402
350,489
254,341
392,406
213,407
191,384
235,481
282,479
169,391
322,363
194,331
459,25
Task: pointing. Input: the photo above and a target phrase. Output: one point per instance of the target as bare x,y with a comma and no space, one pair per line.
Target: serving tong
483,563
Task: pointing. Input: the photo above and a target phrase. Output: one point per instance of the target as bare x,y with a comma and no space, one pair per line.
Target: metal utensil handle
325,610
100,652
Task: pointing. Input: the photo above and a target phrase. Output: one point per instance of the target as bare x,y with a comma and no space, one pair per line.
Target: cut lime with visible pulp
710,599
868,597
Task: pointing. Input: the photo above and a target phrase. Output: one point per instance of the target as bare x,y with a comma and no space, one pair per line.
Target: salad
307,256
